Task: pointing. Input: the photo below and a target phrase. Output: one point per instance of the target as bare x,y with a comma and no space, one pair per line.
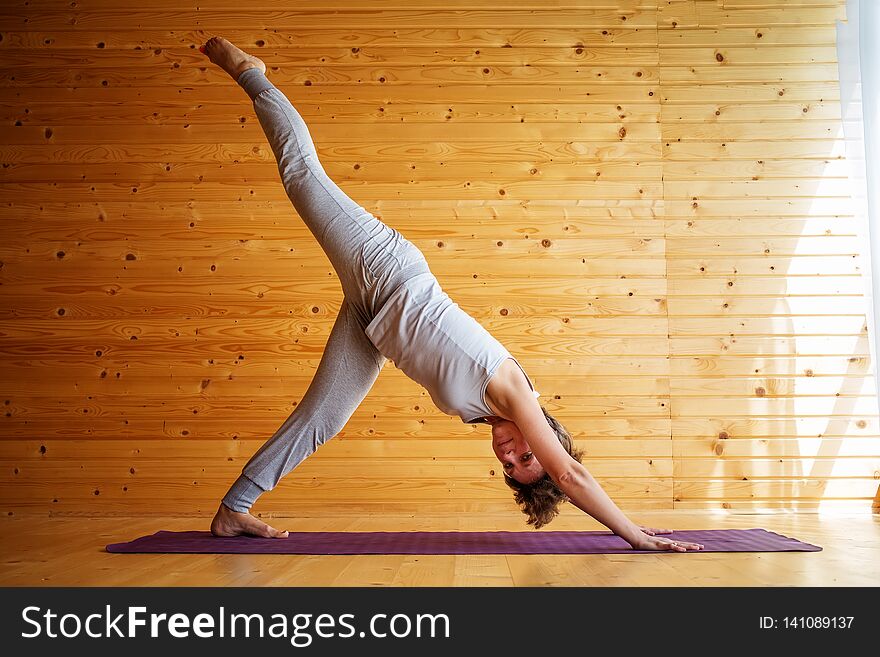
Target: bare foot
230,58
231,523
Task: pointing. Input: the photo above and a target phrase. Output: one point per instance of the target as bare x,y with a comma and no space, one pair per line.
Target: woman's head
533,489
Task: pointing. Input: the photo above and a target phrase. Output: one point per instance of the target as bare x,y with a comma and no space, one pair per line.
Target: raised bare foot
230,58
231,523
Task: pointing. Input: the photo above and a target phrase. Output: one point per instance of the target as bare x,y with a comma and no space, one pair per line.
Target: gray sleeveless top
440,347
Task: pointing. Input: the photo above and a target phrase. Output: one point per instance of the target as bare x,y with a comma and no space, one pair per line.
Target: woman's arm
575,480
587,495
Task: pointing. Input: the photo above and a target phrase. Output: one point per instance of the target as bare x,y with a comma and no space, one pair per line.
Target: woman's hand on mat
664,544
650,531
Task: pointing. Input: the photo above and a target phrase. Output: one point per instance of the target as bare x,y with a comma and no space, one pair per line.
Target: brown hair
540,500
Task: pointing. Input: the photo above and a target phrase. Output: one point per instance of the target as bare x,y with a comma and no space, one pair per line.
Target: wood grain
647,202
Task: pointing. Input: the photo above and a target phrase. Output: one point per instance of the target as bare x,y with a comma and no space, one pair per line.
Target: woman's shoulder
507,384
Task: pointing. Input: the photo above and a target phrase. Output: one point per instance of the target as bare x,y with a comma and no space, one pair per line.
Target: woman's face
514,452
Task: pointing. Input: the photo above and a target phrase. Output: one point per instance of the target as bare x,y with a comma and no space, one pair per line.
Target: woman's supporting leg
347,371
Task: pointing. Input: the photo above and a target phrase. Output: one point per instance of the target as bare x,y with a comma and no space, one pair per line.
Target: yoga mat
502,542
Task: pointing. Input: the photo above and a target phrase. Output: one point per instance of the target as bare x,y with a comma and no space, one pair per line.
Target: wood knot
723,435
719,57
760,392
546,243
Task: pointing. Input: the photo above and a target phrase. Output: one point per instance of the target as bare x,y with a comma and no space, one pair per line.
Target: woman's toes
270,532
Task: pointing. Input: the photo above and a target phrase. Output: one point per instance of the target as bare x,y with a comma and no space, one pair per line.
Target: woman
394,308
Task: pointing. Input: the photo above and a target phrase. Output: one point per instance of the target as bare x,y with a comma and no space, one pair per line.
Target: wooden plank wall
645,201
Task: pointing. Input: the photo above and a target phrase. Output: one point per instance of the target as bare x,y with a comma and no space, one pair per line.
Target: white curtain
858,56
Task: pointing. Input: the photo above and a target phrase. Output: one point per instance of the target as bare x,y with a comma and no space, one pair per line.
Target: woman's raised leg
353,238
340,225
370,257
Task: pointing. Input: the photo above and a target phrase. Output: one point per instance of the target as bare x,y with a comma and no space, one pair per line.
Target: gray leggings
371,260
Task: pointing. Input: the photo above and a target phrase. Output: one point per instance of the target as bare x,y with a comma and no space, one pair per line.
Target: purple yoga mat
529,542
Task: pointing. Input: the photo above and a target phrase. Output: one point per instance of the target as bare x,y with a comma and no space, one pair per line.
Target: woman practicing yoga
393,307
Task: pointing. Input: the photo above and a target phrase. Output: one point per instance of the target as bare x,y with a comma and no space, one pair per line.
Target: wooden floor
70,552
